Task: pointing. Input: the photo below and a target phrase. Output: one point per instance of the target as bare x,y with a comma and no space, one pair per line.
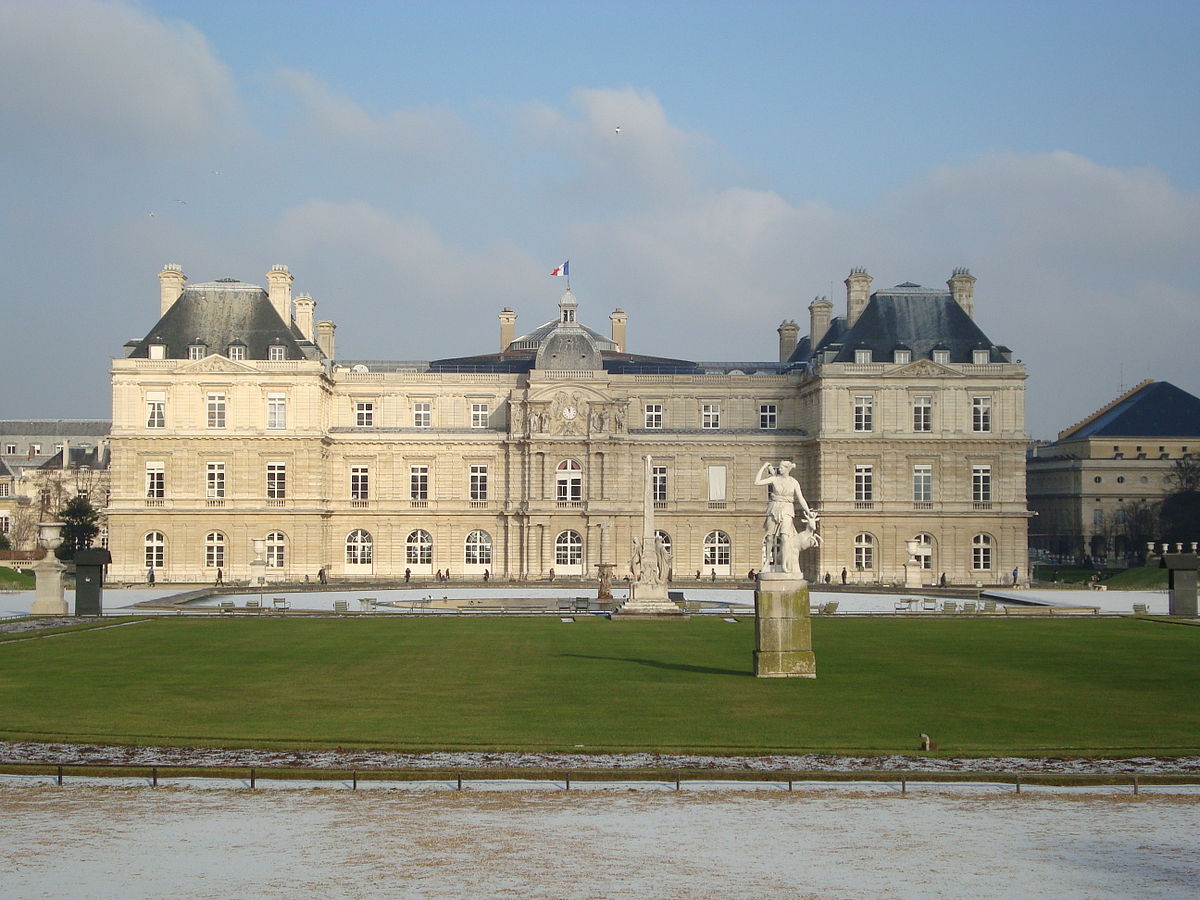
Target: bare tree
1185,475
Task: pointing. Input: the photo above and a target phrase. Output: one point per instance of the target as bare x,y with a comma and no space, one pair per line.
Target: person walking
150,575
843,574
407,575
1014,576
220,579
714,575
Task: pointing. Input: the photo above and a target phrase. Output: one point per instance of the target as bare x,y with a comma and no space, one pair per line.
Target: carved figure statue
782,543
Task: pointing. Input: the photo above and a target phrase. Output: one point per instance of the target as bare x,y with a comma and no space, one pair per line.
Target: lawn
984,686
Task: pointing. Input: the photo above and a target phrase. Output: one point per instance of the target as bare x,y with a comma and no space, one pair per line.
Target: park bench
928,605
582,604
226,606
341,607
969,606
949,606
1141,609
253,606
281,604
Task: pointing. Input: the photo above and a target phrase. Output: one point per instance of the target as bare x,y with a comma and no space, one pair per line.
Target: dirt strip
33,752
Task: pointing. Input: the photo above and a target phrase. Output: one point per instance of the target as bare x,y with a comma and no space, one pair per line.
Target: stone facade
1082,485
234,421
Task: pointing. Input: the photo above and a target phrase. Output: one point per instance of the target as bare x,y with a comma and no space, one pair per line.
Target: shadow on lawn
659,664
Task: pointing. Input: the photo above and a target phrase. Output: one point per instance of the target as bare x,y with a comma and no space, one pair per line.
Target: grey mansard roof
1152,409
534,339
907,316
218,314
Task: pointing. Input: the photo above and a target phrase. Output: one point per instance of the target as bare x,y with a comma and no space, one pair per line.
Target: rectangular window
360,482
237,351
364,414
1097,517
158,351
981,357
35,449
156,409
923,413
862,356
658,483
422,415
10,449
276,352
276,410
215,484
5,524
922,484
276,481
710,415
716,484
654,415
941,356
981,484
864,413
6,488
864,483
216,410
479,482
479,415
981,413
418,482
768,416
902,357
156,480
196,351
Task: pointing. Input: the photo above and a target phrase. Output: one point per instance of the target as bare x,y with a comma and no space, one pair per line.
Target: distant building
1084,485
235,421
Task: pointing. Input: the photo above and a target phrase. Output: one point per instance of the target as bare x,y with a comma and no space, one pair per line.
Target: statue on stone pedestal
782,543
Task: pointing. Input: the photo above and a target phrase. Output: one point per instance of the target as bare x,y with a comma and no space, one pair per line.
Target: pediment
923,368
214,362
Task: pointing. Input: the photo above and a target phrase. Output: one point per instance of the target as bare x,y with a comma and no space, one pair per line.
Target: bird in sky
617,130
150,214
184,202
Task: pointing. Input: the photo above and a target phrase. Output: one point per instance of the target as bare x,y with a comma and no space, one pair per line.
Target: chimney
962,289
620,322
305,305
170,285
66,453
858,291
279,287
508,327
820,312
325,332
789,332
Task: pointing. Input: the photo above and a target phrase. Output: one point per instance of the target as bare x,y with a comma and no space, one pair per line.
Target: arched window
981,552
478,549
276,550
717,550
214,550
864,551
359,548
568,480
418,548
156,550
924,554
568,549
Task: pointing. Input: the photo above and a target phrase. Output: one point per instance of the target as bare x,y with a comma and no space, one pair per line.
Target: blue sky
419,166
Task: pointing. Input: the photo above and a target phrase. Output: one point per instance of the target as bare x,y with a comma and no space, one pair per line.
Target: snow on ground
1158,602
83,841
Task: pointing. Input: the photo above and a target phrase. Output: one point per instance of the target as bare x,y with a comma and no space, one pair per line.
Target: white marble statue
782,543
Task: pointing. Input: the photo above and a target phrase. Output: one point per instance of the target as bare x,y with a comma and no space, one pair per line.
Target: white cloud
335,121
92,72
650,159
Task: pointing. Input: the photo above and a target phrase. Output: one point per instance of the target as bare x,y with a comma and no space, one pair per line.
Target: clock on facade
569,412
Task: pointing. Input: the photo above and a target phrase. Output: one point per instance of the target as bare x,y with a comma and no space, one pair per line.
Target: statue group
782,542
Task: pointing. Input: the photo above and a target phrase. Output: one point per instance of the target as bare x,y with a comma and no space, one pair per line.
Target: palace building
236,425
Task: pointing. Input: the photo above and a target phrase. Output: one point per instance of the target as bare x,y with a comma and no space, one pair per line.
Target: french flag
561,271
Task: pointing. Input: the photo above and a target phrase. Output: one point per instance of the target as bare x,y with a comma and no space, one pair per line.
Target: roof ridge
1067,432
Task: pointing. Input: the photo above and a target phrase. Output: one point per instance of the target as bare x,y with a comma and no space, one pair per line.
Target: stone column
782,628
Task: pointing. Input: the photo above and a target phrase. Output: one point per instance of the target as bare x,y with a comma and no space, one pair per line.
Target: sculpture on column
650,561
782,543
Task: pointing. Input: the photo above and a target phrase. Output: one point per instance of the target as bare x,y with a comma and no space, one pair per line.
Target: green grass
1141,578
13,579
1085,687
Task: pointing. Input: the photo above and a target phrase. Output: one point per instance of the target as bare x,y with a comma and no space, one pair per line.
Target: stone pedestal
49,598
782,628
913,575
1181,580
649,600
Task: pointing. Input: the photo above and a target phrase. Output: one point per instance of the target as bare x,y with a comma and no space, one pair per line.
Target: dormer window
237,351
941,357
197,351
901,356
862,356
980,357
276,352
158,351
